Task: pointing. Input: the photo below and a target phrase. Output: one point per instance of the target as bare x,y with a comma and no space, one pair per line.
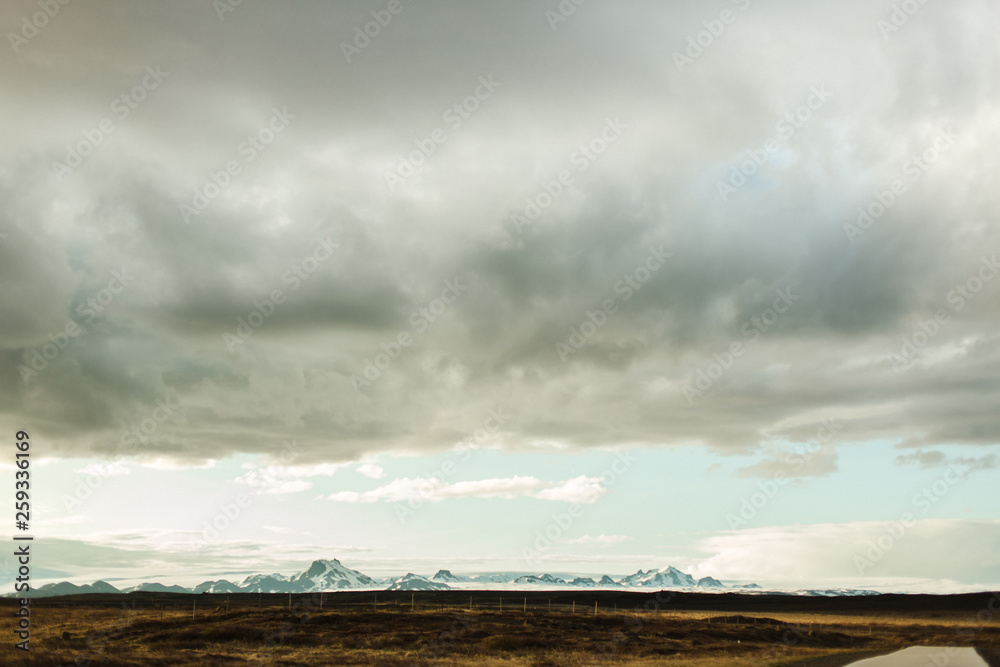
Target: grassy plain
440,629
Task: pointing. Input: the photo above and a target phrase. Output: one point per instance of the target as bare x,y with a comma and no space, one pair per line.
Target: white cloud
284,479
172,464
314,470
371,469
578,490
267,482
601,540
860,553
98,469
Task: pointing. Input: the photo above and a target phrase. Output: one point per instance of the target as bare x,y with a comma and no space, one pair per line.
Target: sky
578,287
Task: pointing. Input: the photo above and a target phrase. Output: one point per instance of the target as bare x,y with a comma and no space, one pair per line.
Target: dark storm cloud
851,300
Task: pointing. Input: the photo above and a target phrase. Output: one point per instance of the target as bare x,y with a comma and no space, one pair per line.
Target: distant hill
332,575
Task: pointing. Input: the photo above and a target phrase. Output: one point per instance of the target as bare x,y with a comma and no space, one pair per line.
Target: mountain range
332,575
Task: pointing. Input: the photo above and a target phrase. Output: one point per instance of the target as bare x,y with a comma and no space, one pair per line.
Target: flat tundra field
495,628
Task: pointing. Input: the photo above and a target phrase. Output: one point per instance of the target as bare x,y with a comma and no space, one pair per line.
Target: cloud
104,469
371,469
577,490
937,459
656,185
817,462
925,459
601,540
929,550
273,479
171,557
174,465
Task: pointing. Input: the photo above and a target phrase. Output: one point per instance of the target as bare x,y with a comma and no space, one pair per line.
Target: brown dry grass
63,635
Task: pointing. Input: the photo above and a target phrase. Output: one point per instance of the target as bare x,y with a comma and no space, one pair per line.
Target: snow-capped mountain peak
414,582
325,575
331,574
668,577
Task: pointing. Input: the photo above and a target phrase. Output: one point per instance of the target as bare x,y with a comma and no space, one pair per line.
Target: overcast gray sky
513,210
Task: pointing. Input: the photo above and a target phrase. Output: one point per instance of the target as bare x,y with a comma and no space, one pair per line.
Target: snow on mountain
545,579
494,577
328,575
266,583
836,592
668,577
331,575
414,582
220,586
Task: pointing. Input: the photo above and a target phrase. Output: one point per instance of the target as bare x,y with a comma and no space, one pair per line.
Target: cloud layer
577,490
573,201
